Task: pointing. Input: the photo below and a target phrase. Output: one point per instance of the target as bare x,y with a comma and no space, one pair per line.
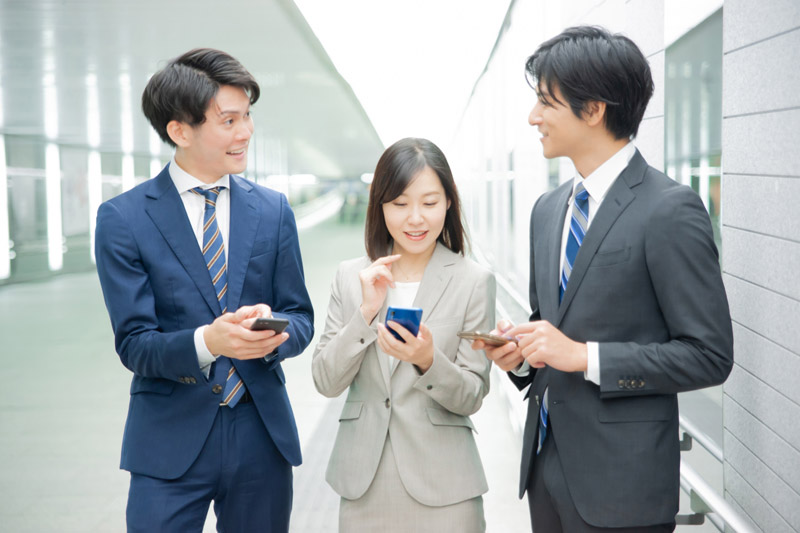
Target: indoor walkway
65,397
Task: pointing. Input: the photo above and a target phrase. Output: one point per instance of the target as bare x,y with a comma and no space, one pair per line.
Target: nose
245,130
415,217
535,116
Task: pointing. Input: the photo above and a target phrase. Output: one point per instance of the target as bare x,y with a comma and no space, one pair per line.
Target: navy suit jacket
646,286
158,291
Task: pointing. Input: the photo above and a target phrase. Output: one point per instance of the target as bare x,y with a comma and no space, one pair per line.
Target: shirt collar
600,181
184,181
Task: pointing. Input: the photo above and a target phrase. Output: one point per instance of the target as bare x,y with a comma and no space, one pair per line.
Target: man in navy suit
628,305
187,261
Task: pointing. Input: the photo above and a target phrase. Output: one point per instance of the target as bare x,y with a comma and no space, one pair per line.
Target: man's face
563,134
218,146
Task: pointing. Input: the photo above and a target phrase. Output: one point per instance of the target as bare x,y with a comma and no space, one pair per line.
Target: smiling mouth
237,152
416,235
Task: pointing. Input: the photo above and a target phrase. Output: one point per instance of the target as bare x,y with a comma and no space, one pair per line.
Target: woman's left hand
416,350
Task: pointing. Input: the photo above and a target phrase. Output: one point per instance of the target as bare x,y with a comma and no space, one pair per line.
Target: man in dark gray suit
628,303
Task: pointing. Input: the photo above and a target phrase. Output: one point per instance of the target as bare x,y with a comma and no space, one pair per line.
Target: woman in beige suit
405,458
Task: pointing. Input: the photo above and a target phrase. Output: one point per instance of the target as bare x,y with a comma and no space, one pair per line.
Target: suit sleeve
291,298
459,384
342,346
683,264
142,347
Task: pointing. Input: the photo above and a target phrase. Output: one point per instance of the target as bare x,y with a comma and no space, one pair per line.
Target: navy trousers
239,469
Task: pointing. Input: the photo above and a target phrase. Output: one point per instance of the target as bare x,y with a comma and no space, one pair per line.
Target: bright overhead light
55,237
5,253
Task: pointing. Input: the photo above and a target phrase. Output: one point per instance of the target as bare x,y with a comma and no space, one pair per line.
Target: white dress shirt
597,185
195,206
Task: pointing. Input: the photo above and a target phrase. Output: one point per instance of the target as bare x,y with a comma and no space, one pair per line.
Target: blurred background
340,81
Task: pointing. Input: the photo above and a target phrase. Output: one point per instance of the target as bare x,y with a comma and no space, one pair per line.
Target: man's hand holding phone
506,356
233,335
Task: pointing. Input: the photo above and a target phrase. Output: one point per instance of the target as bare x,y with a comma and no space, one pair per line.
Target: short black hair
183,89
588,63
396,169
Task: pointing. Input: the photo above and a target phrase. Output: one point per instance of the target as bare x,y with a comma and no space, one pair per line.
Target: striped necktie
577,230
214,254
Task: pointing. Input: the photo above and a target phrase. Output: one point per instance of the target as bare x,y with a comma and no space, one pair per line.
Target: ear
594,113
180,133
448,204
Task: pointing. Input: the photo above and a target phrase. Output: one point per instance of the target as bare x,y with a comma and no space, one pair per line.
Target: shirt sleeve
204,355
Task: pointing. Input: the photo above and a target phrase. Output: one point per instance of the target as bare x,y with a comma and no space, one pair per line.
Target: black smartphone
488,338
408,317
275,324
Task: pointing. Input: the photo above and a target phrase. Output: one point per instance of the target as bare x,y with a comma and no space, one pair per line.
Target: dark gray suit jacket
646,286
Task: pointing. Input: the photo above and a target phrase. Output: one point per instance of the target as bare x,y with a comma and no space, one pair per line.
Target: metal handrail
712,505
704,440
704,499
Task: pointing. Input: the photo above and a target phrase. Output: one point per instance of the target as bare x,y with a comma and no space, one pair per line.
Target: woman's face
415,218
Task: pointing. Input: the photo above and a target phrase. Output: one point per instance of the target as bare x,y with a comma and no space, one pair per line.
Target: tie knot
581,194
210,194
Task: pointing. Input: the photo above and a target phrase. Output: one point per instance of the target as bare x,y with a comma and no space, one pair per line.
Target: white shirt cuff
204,356
523,370
593,363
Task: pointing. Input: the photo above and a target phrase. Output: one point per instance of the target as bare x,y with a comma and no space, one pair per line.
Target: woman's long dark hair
396,169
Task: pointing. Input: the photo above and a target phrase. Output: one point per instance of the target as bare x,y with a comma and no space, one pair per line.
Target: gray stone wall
761,258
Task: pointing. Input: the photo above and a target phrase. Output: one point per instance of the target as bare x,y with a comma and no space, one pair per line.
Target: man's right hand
508,356
230,334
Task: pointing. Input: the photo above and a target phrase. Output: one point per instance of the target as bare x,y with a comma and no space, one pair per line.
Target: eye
398,204
430,204
229,121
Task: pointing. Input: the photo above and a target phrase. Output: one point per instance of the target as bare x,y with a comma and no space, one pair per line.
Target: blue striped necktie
214,254
577,231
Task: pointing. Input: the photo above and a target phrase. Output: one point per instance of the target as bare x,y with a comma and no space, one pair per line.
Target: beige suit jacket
426,415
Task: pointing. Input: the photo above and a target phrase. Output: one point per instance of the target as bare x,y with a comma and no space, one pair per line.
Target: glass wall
693,113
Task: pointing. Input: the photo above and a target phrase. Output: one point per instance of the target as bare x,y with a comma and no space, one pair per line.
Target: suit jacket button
216,389
192,380
181,379
621,384
429,387
361,341
387,403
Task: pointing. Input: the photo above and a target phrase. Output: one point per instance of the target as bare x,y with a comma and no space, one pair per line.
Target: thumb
424,332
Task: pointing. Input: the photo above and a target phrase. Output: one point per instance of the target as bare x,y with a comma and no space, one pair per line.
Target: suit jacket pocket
439,417
351,411
157,386
638,409
615,257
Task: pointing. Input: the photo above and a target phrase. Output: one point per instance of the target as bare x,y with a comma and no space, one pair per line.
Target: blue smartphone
408,317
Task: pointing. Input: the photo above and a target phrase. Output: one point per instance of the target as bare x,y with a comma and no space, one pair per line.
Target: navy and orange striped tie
214,254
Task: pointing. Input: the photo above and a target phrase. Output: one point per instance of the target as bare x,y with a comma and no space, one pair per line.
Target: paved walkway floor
65,396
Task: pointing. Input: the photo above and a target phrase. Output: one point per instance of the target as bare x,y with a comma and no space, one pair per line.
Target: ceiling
72,72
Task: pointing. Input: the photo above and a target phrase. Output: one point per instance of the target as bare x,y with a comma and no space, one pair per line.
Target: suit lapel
548,297
435,280
616,201
165,208
244,220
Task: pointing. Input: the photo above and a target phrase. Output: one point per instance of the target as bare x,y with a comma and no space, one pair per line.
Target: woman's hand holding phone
375,281
417,350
